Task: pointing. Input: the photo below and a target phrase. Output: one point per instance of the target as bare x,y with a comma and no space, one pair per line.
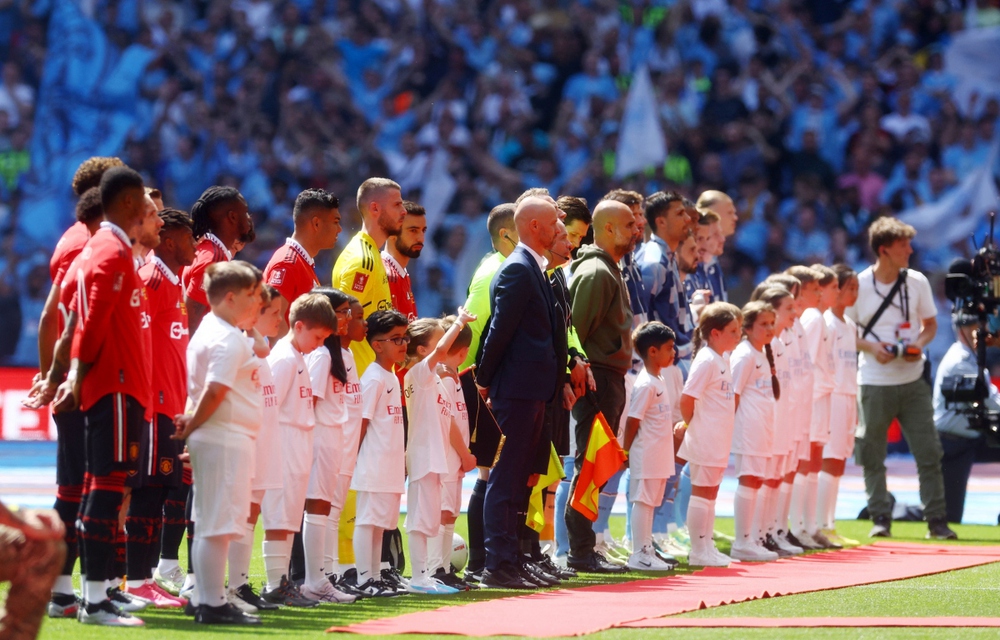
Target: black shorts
159,455
71,458
112,432
484,432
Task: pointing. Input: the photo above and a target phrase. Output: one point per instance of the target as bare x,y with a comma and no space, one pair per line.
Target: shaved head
614,227
536,219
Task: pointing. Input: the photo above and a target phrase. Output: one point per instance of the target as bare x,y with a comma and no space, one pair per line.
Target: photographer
897,318
962,445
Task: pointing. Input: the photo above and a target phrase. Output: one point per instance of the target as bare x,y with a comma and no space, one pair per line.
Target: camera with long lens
973,286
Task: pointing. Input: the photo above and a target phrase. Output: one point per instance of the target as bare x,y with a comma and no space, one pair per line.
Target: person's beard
390,227
408,251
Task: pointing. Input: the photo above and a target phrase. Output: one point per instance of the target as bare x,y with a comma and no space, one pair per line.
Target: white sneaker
609,552
721,557
807,540
670,546
106,614
785,545
750,552
239,602
561,561
171,582
646,560
429,586
707,559
326,593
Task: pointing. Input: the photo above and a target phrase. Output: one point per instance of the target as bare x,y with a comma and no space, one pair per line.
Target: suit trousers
521,423
611,402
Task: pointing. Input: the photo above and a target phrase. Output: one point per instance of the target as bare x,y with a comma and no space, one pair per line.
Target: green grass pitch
968,592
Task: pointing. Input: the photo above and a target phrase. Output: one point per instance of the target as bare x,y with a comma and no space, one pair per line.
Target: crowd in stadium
815,115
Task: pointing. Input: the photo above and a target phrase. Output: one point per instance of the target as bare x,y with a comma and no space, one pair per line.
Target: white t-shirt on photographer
893,326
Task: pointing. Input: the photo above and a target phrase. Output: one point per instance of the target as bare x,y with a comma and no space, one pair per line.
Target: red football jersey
291,271
399,287
69,247
169,332
113,331
209,251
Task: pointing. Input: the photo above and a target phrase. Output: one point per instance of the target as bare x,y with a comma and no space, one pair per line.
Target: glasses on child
400,341
343,312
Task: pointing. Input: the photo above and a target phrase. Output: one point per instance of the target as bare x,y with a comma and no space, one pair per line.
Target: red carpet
568,612
774,623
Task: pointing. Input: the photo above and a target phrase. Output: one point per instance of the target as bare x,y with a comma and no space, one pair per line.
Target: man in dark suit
518,372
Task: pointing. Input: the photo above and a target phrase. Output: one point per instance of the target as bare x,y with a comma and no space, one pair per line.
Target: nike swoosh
645,564
301,370
659,394
722,373
349,369
759,366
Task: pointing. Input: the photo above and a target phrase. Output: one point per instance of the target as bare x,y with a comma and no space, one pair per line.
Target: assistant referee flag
603,459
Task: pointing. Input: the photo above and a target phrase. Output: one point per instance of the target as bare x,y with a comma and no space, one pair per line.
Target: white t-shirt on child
331,406
460,412
753,431
845,352
353,402
710,432
820,343
219,352
652,452
381,459
429,411
293,386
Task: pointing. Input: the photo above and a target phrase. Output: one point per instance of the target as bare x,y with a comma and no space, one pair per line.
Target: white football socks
743,508
277,553
314,548
210,555
240,552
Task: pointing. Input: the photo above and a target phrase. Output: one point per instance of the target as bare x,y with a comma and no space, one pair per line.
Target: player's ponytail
337,299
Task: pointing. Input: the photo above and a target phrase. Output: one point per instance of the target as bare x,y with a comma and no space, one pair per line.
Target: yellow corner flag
603,459
536,507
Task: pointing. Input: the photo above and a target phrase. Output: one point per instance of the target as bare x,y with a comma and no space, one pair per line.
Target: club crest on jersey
166,466
278,276
133,451
360,282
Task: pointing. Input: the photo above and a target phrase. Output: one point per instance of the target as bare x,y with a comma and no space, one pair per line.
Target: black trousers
611,402
956,467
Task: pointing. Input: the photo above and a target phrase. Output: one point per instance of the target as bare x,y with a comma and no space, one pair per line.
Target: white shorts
451,495
423,505
282,508
843,422
819,427
776,467
647,491
748,465
378,510
352,444
702,476
791,462
802,449
328,451
268,458
221,484
257,496
340,495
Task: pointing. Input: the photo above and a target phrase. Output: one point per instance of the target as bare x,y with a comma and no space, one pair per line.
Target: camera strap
886,301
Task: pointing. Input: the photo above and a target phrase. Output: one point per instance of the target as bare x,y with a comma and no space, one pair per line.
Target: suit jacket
519,357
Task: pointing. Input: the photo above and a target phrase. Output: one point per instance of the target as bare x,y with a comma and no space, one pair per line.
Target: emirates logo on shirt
305,392
360,282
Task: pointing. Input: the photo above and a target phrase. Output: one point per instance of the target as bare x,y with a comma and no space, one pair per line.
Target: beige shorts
377,509
647,491
702,476
747,465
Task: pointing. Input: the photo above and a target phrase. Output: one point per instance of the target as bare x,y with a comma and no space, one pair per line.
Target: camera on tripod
973,286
